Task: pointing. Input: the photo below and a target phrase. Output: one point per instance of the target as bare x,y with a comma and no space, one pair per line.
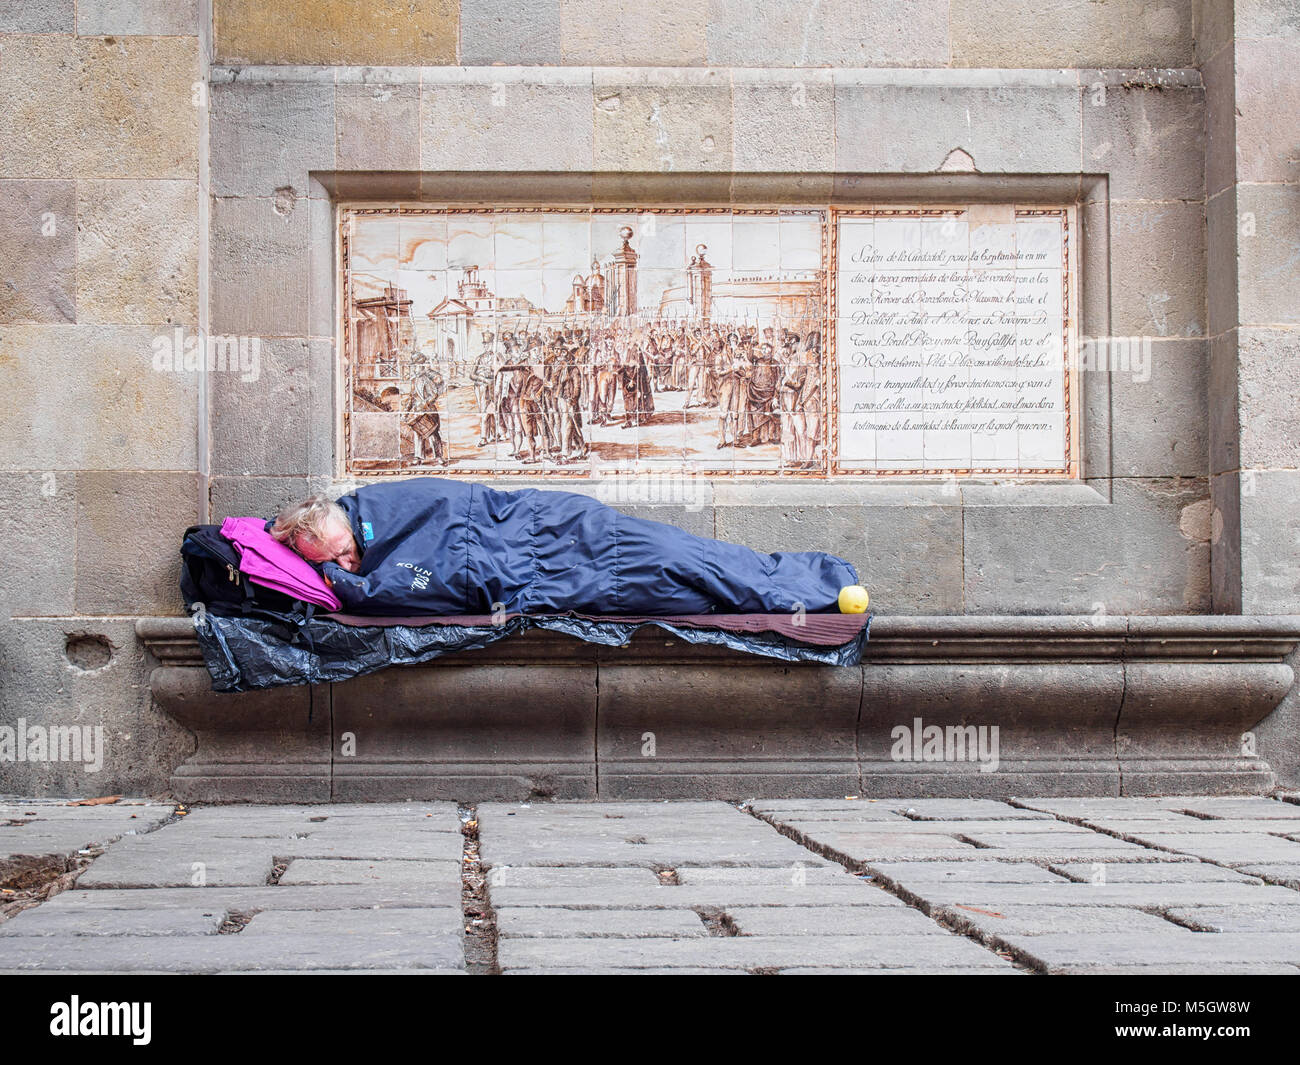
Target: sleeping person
430,545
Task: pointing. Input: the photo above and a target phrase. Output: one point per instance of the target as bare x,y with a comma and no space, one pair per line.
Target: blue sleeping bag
436,546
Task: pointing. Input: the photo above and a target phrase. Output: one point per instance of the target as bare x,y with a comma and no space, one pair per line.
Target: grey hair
309,518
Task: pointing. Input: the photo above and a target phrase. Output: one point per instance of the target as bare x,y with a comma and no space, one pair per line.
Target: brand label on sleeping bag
367,531
419,575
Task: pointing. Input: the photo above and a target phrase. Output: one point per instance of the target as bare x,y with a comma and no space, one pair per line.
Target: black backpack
211,581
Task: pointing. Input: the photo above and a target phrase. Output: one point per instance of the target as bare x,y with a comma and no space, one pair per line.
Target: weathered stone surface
1267,91
137,17
137,252
661,121
1090,559
36,830
374,873
532,922
62,688
751,952
1268,230
800,722
1241,918
1158,269
1049,920
259,267
505,120
816,920
173,922
1219,76
835,33
377,125
1268,383
1270,515
800,874
1025,33
38,231
1159,416
1064,951
349,33
1240,849
161,504
208,954
134,93
432,895
21,16
1173,871
38,519
711,895
157,861
624,32
256,495
787,127
1011,128
110,410
266,135
424,732
501,31
261,416
410,921
1151,142
1144,896
909,556
976,871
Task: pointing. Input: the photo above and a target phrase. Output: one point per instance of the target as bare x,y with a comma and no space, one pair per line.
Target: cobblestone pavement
1176,885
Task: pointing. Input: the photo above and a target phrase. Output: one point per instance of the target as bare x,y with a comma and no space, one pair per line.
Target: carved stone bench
1081,706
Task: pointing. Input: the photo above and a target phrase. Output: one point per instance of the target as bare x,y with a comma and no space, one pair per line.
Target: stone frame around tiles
1083,197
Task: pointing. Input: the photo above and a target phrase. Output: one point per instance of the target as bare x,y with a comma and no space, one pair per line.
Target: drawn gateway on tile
809,342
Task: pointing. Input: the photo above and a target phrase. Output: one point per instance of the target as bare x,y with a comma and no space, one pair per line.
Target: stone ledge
1080,705
951,638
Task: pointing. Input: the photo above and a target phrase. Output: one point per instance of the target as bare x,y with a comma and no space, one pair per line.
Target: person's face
337,545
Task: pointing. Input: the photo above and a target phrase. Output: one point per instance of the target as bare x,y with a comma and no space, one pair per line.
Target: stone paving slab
993,896
244,899
753,952
175,921
392,871
209,953
1164,808
816,920
1274,873
531,922
646,834
1240,918
1195,826
897,809
706,895
1178,870
973,872
1239,849
144,864
1068,951
409,921
1044,920
46,828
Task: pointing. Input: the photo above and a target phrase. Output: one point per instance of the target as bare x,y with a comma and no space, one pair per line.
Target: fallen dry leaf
102,800
976,909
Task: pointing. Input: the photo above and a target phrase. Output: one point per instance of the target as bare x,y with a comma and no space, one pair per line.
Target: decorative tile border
535,374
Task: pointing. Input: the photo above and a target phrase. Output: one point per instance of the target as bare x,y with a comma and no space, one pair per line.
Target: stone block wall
175,165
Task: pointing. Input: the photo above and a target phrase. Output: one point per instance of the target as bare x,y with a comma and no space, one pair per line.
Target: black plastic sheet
251,653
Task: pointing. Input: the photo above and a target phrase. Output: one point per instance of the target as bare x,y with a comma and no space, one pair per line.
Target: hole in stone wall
88,650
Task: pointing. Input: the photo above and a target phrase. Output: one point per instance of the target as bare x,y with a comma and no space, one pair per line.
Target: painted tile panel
809,342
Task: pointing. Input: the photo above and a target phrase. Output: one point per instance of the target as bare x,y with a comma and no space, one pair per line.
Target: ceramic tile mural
793,342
